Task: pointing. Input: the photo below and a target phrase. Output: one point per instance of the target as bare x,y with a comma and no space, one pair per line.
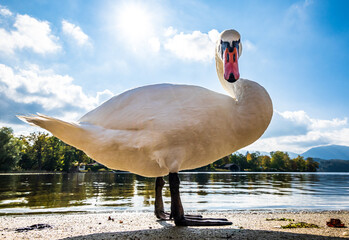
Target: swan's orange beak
231,67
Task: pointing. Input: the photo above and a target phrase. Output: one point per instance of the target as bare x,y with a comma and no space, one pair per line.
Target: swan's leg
178,212
159,204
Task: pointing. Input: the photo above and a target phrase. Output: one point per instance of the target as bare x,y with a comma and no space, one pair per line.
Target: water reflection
200,191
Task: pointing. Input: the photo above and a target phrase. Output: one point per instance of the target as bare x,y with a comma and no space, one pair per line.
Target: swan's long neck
254,108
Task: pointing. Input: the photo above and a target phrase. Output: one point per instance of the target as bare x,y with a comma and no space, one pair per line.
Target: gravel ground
144,225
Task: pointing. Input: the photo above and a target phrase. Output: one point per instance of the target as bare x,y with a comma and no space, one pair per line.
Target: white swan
160,129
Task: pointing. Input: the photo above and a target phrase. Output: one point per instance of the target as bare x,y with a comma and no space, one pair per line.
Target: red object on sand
335,223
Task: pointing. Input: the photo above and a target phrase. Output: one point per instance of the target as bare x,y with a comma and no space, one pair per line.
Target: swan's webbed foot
165,216
184,221
159,206
162,215
178,213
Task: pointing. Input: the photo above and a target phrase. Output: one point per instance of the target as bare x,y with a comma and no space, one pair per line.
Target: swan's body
160,129
157,129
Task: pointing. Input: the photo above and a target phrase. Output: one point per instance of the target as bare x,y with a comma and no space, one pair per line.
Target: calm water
95,192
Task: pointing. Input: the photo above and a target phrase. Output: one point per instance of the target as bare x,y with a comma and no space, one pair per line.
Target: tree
252,161
39,151
300,163
278,160
36,143
239,159
265,162
51,154
68,159
311,165
9,149
293,166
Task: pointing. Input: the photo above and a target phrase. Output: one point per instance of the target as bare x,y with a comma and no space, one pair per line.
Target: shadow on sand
171,232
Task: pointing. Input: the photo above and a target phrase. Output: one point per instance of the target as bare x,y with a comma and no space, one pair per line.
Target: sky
65,57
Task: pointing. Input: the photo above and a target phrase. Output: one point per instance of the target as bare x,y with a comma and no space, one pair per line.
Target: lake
100,192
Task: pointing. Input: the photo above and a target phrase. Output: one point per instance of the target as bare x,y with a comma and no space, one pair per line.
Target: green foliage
240,160
265,162
9,149
37,152
311,165
300,225
333,165
253,161
279,161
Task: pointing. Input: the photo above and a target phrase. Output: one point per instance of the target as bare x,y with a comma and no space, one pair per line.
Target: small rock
121,221
345,234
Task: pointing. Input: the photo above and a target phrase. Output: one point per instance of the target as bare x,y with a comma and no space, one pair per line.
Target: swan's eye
223,46
236,45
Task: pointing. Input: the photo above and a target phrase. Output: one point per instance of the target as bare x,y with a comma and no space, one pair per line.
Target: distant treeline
277,161
42,152
37,152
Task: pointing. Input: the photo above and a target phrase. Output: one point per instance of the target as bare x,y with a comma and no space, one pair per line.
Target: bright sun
134,22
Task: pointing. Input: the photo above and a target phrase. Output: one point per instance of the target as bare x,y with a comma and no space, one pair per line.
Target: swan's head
228,51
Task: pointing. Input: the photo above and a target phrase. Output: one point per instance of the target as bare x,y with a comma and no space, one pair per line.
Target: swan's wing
161,106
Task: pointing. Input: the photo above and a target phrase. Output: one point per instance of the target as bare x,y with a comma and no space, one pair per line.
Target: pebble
345,234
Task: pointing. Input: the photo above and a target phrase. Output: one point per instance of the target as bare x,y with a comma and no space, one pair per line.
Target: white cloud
301,143
46,88
5,12
104,95
75,32
170,31
30,33
300,132
297,116
195,46
300,117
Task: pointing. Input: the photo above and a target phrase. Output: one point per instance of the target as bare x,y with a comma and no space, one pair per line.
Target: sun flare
135,22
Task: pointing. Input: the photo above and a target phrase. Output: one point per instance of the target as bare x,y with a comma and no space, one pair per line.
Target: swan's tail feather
71,133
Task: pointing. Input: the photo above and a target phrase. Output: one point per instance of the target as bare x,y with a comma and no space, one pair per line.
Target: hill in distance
328,152
322,152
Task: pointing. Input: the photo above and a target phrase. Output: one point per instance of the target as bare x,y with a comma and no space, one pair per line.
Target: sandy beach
144,225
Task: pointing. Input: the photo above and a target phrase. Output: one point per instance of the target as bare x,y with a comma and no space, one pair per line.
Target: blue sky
63,58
